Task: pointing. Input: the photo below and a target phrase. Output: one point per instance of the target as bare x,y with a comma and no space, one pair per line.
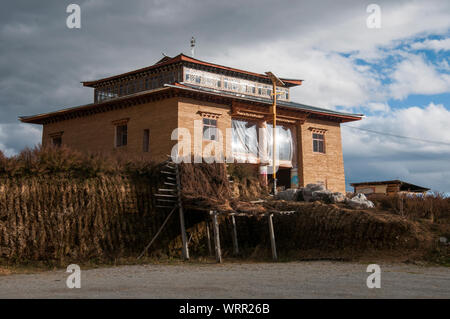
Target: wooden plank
157,234
170,184
185,249
166,200
235,240
216,237
272,237
208,235
166,190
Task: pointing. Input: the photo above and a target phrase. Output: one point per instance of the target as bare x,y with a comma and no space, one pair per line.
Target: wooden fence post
208,235
272,237
235,240
216,237
182,224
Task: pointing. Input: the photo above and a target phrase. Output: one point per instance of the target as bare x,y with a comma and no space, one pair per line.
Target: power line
399,136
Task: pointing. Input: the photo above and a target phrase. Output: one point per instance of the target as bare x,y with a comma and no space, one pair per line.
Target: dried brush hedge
58,206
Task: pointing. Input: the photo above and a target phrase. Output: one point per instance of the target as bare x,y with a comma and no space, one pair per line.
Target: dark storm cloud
42,61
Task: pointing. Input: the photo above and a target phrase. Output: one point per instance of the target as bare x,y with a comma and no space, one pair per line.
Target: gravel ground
232,280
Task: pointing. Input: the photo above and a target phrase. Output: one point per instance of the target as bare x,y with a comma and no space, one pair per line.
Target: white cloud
436,45
370,156
330,79
15,137
414,75
378,107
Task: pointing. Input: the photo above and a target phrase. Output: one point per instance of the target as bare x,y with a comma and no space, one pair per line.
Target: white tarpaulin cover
247,143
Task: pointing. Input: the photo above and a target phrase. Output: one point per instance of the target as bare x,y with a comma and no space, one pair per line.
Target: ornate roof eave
173,91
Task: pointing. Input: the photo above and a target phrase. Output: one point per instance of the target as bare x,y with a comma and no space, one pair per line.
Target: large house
136,112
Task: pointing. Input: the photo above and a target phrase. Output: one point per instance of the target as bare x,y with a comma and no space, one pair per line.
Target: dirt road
231,280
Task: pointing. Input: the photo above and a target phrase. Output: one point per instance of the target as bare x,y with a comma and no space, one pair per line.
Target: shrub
432,206
64,161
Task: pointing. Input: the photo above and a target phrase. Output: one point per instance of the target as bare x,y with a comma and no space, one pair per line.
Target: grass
62,160
434,206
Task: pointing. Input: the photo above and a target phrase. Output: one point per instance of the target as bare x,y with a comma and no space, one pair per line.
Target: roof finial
192,46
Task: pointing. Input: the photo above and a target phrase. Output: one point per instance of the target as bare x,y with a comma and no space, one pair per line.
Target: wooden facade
392,187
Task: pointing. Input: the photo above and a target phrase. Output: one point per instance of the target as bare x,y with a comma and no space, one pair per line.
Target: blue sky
398,75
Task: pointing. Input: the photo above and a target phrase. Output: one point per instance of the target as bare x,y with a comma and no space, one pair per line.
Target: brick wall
190,110
96,133
318,167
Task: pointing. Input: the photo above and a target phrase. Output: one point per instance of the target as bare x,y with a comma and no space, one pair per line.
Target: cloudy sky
397,75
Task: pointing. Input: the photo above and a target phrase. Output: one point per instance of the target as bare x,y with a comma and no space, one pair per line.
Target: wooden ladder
169,197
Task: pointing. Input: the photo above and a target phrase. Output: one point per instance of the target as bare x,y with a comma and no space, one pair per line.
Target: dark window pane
121,135
57,141
146,141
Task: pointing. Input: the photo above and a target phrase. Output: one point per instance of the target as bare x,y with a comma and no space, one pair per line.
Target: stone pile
318,192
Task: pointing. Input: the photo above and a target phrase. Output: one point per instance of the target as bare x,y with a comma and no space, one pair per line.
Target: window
209,129
131,88
318,143
121,135
146,140
57,141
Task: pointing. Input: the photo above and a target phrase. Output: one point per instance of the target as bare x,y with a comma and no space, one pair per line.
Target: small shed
388,188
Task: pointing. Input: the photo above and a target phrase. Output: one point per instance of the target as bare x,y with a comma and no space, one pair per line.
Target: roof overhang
403,185
171,90
183,58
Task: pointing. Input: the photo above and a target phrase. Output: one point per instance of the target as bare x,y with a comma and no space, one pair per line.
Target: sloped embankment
313,229
59,218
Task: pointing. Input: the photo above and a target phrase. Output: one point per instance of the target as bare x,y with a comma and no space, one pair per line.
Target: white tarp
247,144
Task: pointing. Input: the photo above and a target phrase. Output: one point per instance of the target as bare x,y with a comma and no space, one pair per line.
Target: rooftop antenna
192,46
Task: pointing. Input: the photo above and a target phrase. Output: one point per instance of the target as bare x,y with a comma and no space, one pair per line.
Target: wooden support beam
208,235
157,234
235,240
272,237
182,224
216,237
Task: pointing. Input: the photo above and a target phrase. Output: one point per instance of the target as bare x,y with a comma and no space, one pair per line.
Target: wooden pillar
216,237
300,173
272,237
263,152
185,248
400,199
235,240
208,235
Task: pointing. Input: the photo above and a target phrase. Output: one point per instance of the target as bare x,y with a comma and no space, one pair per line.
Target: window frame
207,126
319,141
123,141
57,138
146,141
